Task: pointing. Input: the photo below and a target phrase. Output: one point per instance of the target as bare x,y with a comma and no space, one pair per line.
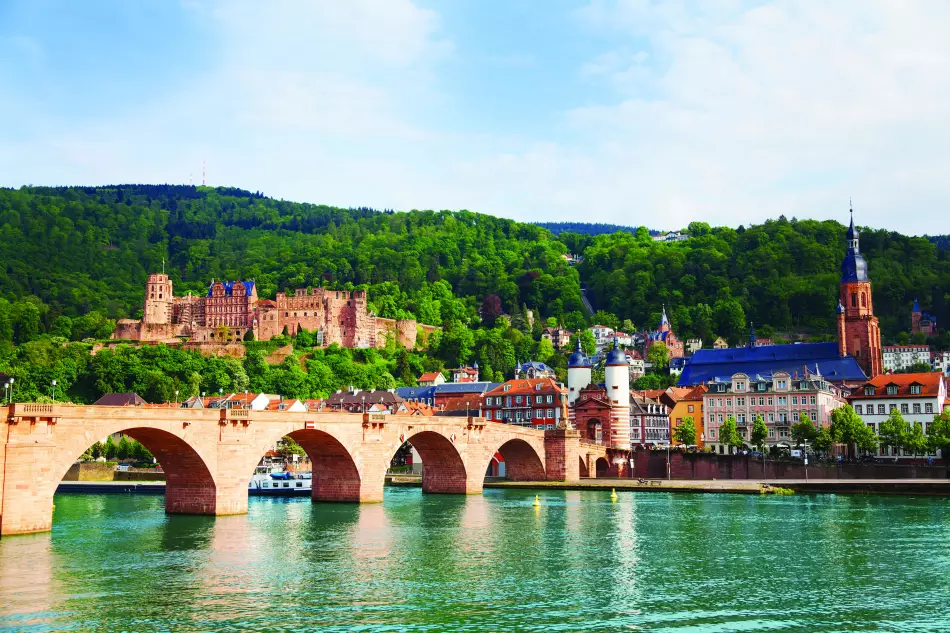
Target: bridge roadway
209,455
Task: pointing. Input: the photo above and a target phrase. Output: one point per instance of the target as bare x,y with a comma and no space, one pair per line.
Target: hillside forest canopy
75,259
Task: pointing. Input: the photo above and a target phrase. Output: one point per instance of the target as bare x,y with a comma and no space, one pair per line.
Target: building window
771,434
488,415
857,409
740,402
814,416
916,407
550,399
929,407
740,386
869,391
740,418
761,402
782,400
905,408
719,418
781,384
550,413
880,409
689,408
812,400
892,390
892,407
517,399
719,404
771,417
915,389
794,399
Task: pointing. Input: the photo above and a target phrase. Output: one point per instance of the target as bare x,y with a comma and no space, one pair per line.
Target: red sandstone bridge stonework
209,455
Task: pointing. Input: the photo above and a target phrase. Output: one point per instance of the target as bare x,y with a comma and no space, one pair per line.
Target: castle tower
915,317
859,334
578,377
158,300
617,383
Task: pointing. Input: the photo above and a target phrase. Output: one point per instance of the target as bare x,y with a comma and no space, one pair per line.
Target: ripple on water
650,562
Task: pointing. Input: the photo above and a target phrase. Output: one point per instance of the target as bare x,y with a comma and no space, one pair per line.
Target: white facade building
940,361
603,335
918,397
901,357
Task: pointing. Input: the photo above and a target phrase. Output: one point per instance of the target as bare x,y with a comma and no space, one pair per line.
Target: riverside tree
894,431
729,434
759,434
685,432
938,433
803,431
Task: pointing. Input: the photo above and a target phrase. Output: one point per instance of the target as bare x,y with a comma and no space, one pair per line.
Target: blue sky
624,111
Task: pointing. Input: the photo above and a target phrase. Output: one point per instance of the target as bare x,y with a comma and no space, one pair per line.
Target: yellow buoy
613,494
537,501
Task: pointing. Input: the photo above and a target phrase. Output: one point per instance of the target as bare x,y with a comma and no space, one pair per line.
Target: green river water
650,562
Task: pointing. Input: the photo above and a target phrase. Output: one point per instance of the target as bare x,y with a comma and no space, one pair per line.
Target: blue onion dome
578,359
616,356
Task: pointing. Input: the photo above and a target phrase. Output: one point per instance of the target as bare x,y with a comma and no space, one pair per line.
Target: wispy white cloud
728,112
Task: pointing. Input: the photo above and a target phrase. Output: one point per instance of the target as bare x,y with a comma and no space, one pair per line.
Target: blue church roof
466,387
707,365
416,393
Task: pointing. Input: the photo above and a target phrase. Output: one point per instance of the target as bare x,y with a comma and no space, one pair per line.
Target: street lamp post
6,391
176,397
11,391
54,390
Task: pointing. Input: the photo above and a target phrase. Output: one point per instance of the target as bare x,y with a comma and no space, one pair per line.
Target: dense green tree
803,431
759,433
685,432
938,433
916,441
658,355
729,434
894,431
823,440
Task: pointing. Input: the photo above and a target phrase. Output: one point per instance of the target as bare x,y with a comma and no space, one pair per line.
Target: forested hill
585,228
85,253
783,275
79,249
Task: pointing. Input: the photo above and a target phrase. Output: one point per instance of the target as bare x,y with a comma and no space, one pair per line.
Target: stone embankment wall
99,471
652,465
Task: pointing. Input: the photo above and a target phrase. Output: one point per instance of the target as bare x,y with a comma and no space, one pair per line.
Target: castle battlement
231,309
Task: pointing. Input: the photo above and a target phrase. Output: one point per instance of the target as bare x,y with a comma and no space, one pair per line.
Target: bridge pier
209,455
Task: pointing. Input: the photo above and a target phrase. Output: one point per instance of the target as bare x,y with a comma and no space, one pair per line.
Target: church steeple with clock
859,334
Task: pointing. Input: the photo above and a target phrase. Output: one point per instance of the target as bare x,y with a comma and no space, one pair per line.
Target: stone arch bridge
209,455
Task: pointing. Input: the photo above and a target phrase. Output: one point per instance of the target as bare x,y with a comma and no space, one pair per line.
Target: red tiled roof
929,385
524,386
267,303
429,377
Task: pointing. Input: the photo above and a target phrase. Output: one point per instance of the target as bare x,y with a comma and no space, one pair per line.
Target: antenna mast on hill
203,173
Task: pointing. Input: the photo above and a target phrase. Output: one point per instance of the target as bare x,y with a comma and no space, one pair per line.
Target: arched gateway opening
584,472
603,467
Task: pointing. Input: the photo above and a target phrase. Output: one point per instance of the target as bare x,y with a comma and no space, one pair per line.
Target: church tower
858,332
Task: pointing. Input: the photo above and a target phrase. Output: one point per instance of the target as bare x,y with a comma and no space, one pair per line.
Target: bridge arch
522,461
34,472
443,469
335,474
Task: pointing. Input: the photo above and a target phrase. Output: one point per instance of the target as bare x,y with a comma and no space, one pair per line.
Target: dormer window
507,387
869,391
892,390
537,387
740,386
915,389
782,384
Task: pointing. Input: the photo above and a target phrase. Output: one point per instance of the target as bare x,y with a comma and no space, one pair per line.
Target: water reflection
654,561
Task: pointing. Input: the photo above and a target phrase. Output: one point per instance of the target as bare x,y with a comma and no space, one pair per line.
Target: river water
649,562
